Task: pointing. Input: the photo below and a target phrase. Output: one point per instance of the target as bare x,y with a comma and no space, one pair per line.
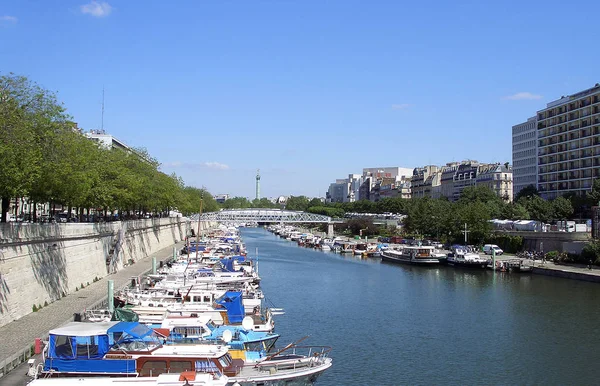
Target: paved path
22,332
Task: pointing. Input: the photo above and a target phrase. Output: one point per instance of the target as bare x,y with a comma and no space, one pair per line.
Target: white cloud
523,96
215,165
6,20
96,9
401,106
193,165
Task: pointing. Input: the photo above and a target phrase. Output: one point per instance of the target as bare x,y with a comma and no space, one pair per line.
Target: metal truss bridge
262,215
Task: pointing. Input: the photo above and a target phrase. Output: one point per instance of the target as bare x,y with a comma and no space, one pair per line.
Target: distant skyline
306,91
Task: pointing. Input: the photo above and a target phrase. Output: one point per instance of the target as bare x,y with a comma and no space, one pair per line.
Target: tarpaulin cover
133,330
72,347
95,366
125,315
232,301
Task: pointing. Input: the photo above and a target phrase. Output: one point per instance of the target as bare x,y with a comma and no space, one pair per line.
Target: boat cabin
128,349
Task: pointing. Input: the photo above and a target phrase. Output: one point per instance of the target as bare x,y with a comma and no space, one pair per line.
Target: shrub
591,251
508,243
34,308
46,303
552,255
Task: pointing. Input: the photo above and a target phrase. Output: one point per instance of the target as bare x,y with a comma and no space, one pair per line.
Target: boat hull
400,259
275,377
468,264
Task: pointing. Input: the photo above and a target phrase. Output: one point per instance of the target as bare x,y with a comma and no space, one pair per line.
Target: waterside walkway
19,335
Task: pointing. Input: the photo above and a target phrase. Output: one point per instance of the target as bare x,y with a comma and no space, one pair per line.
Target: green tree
263,203
237,203
514,211
538,208
27,113
562,208
392,205
485,195
528,191
299,203
477,217
326,211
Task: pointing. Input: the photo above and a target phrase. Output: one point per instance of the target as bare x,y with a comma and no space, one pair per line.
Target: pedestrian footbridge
262,215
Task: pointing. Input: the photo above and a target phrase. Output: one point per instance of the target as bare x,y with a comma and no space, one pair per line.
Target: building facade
422,181
450,180
106,140
568,135
345,190
524,154
221,198
498,178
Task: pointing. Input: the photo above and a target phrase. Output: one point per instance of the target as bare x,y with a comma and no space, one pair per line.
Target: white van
489,248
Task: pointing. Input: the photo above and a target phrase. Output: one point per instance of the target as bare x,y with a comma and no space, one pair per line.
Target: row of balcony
562,136
567,176
569,146
572,156
563,128
570,107
570,185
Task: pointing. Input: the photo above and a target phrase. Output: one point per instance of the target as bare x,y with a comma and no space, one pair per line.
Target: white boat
461,256
87,350
420,255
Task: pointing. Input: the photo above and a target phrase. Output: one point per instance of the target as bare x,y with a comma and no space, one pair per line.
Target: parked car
488,249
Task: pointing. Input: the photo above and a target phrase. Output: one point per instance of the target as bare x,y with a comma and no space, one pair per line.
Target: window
206,366
180,366
153,368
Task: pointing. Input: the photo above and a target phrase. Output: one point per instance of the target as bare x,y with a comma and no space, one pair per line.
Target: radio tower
258,184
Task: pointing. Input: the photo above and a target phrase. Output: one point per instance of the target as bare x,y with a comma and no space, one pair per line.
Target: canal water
404,325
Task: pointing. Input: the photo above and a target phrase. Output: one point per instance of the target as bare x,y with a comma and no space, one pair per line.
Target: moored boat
130,349
461,256
419,255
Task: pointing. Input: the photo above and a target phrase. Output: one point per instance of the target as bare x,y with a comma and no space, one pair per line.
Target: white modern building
345,190
106,140
568,135
524,154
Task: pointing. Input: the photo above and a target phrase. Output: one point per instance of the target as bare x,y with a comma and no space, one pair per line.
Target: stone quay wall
41,263
571,242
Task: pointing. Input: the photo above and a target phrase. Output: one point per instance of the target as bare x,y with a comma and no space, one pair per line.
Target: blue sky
307,91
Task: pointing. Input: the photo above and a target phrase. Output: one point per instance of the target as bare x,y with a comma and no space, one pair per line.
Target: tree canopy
45,157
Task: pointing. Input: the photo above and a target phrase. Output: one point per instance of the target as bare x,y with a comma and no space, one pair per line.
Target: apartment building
524,154
422,182
450,180
498,178
568,135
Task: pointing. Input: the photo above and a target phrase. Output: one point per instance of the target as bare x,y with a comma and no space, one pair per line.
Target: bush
552,255
591,251
508,243
34,308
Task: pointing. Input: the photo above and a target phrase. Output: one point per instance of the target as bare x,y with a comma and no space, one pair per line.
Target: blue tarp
129,330
71,347
96,366
227,265
232,301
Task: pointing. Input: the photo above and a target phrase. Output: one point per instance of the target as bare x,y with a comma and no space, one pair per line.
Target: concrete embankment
41,263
